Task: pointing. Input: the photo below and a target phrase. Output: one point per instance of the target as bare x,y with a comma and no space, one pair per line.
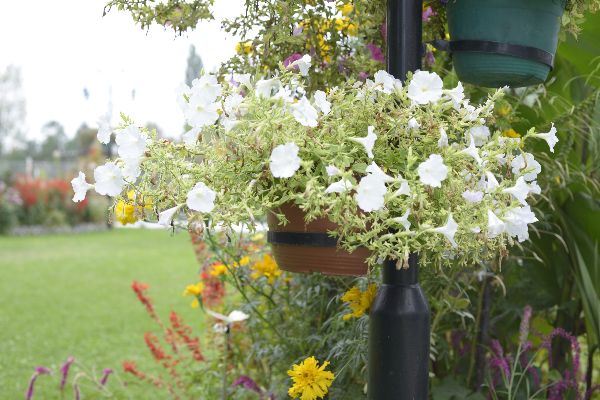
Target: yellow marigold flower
194,290
243,262
125,213
267,267
344,24
218,269
346,9
359,301
244,47
310,381
511,133
195,303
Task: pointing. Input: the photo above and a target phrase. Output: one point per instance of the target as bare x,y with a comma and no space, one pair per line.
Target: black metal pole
399,326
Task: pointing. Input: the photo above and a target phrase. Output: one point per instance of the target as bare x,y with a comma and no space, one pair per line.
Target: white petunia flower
200,114
285,94
265,87
472,151
131,142
165,218
433,171
305,113
229,123
201,198
368,141
303,64
80,187
480,134
109,179
535,188
376,170
371,192
550,137
234,316
190,138
443,142
456,95
332,170
321,102
472,196
242,79
205,90
475,229
495,225
517,220
341,186
413,124
131,169
491,183
425,87
284,160
232,103
104,130
520,191
386,83
404,189
403,220
527,162
448,230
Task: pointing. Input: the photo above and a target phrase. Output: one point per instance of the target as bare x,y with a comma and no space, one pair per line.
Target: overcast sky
64,46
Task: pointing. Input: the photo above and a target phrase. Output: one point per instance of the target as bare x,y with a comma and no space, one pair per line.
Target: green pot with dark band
496,43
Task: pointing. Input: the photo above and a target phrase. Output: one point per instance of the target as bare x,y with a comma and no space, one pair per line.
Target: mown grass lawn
70,295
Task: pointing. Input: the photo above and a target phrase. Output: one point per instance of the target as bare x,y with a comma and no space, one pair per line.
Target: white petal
374,169
495,225
332,170
448,230
368,141
370,194
201,198
166,217
341,186
284,160
433,171
80,187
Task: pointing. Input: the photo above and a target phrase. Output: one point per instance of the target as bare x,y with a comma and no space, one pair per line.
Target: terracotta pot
306,247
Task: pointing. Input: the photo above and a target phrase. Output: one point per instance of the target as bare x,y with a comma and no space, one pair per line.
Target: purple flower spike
291,59
297,30
38,371
64,370
105,374
376,52
427,14
247,383
363,76
524,327
429,58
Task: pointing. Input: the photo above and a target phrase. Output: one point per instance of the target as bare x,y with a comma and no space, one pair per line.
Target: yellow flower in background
243,262
125,213
504,110
244,47
344,24
359,301
346,9
128,212
194,290
310,381
218,269
511,133
267,267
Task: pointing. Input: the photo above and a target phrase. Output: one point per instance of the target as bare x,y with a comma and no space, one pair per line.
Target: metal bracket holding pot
486,46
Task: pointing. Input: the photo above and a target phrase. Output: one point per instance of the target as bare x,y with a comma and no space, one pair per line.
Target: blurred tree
55,141
12,108
194,66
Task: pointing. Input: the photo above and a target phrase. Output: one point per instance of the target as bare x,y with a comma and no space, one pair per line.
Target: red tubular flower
155,348
184,331
140,291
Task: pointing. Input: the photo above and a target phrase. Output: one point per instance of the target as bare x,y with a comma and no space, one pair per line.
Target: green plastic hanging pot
495,43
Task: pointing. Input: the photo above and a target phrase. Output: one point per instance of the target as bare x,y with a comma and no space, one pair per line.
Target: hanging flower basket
504,42
307,247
